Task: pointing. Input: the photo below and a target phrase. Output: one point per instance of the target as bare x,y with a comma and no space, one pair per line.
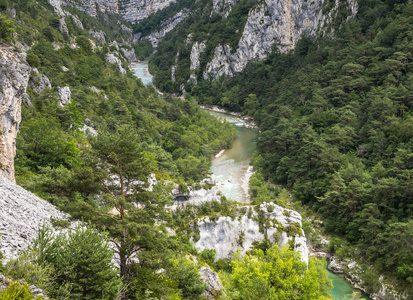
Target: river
231,172
141,71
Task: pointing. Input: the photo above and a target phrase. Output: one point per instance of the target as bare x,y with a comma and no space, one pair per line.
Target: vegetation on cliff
336,124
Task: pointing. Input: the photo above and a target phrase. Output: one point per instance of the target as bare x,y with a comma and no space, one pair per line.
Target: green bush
83,261
208,255
6,29
16,291
185,274
33,60
25,268
47,32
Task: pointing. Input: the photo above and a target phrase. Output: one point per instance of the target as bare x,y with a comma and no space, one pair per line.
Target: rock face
272,23
21,214
39,82
214,285
131,10
98,35
63,25
227,236
114,59
14,78
129,54
64,95
111,6
137,10
196,51
4,283
223,7
166,26
196,196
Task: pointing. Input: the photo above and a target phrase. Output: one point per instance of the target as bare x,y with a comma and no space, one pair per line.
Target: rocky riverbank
353,272
249,121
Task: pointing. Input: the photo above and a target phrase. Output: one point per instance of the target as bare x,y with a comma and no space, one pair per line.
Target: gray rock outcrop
88,130
223,7
196,196
39,82
63,25
137,10
98,35
77,22
64,94
227,236
272,23
132,10
57,5
129,54
5,282
214,284
110,6
114,59
14,78
166,26
21,215
197,49
335,266
12,12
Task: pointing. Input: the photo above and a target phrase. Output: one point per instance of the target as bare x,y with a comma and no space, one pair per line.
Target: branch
105,215
117,245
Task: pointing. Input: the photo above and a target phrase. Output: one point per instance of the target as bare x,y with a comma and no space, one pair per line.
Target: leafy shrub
16,291
33,60
6,29
208,255
47,32
185,274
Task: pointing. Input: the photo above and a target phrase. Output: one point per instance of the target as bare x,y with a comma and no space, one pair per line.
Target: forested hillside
337,128
60,159
99,145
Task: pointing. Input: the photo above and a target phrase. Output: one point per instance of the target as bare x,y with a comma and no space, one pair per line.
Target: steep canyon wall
14,78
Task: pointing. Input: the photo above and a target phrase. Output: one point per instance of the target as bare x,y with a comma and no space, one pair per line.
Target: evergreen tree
128,208
82,259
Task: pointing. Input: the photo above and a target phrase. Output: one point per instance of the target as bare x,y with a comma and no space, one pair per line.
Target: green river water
231,172
230,169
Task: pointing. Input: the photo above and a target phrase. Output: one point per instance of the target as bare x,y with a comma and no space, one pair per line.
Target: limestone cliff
14,78
223,7
227,236
131,10
166,26
270,23
137,10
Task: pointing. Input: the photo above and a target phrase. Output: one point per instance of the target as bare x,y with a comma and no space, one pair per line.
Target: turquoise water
141,71
342,290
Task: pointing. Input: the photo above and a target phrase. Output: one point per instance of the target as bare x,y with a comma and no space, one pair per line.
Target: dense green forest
103,180
337,128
